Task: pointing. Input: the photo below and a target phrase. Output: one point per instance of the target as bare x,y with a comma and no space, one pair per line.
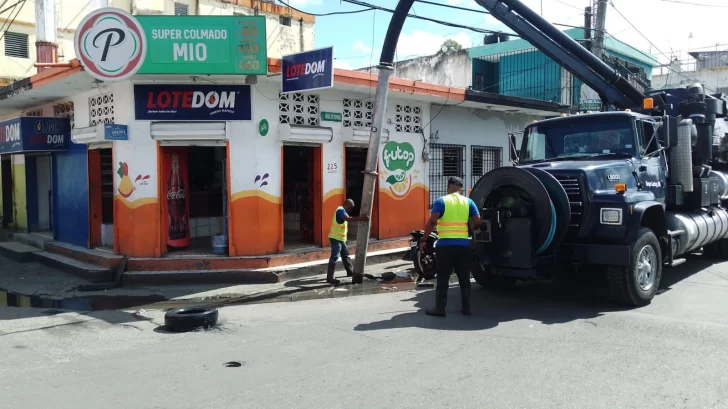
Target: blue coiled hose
552,231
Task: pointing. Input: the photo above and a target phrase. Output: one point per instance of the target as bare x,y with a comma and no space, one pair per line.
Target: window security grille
65,110
445,161
181,9
484,159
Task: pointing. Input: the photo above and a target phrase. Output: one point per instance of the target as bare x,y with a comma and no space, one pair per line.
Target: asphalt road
538,347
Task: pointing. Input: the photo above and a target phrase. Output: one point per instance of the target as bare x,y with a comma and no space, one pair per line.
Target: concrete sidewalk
32,284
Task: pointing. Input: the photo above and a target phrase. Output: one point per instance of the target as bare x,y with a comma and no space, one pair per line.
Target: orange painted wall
257,224
136,227
399,215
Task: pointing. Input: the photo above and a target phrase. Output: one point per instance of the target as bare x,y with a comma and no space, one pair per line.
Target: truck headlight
611,216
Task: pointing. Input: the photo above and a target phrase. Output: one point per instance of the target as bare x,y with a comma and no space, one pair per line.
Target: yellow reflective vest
454,222
338,231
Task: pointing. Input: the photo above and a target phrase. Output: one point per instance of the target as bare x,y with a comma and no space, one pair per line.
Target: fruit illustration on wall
398,159
126,186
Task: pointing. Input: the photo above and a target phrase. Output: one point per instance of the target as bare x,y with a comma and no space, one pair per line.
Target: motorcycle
424,261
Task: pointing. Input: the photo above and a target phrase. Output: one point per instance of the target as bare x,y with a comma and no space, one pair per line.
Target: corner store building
254,146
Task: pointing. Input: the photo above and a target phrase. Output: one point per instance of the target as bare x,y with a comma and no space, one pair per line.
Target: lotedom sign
308,70
34,134
192,102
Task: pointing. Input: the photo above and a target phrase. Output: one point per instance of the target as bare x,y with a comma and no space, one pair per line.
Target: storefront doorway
101,197
302,196
6,172
39,184
355,162
195,208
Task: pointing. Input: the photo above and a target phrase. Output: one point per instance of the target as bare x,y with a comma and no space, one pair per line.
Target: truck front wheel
485,278
638,283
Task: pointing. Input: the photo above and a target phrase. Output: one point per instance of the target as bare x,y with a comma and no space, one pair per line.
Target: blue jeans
338,248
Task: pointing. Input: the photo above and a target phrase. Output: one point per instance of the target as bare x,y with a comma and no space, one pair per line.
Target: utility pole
599,26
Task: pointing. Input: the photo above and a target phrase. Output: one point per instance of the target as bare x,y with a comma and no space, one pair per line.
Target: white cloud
360,46
419,43
343,64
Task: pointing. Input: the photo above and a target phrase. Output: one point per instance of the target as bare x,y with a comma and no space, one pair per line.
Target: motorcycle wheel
424,265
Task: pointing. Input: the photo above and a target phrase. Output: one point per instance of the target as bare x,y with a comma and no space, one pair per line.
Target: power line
695,4
679,70
10,22
334,13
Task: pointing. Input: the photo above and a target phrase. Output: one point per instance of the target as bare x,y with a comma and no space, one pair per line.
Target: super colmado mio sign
113,45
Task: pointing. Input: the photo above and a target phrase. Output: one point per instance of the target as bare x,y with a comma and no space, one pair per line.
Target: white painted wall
714,78
470,126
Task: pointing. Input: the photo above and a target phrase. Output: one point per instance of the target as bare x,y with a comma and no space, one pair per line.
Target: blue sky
357,38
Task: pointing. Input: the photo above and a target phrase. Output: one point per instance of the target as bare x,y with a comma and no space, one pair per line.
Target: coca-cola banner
190,102
178,200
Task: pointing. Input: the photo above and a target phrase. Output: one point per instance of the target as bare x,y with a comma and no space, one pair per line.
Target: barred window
445,161
16,45
483,160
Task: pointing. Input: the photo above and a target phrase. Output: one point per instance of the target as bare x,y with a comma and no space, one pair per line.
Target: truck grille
573,190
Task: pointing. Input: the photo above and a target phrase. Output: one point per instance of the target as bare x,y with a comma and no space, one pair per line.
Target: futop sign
110,44
398,159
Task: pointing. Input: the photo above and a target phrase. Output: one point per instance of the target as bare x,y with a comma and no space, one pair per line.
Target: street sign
189,102
331,116
110,44
233,45
307,71
116,132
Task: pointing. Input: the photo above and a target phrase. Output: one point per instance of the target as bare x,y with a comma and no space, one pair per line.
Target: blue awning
34,134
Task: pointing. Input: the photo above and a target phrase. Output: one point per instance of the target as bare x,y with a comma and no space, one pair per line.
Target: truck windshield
578,137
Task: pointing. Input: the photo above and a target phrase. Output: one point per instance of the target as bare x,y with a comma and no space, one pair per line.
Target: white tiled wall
206,226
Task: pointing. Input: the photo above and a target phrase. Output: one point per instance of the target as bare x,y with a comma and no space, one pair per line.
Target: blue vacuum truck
625,191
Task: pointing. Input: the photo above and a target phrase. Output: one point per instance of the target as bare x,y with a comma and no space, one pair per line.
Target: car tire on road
190,318
637,284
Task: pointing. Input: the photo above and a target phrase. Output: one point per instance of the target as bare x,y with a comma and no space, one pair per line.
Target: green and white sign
398,158
232,45
331,116
263,127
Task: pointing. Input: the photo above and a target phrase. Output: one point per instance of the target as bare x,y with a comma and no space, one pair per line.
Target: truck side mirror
512,148
667,133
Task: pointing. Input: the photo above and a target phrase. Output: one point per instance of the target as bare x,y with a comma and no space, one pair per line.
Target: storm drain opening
233,364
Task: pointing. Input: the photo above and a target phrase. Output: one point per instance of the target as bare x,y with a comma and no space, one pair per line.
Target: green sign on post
331,116
205,45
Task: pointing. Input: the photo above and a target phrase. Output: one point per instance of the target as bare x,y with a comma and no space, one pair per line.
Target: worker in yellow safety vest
451,214
337,237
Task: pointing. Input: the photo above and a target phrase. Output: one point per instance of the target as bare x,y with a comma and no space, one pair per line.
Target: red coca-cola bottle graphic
177,206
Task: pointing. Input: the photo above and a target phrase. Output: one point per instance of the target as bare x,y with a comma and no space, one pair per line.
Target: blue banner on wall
188,102
34,134
116,132
308,70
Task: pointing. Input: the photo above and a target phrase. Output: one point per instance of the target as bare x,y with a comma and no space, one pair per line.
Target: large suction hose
543,194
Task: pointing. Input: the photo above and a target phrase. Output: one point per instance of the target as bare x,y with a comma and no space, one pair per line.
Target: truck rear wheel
485,278
638,283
